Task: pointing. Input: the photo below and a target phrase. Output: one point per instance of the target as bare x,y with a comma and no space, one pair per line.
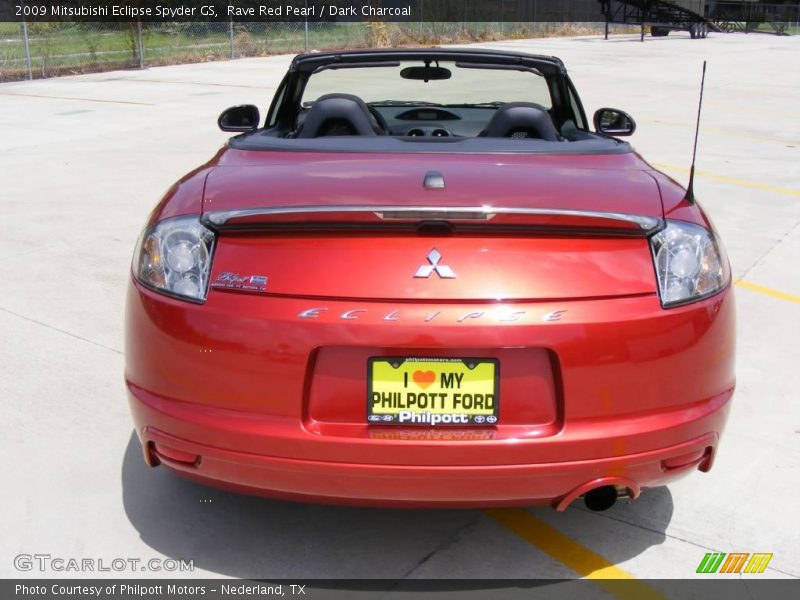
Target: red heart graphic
424,378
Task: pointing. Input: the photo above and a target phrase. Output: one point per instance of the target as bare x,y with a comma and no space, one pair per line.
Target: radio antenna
690,188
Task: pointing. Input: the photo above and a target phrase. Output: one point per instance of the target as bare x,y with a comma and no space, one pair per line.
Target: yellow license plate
432,391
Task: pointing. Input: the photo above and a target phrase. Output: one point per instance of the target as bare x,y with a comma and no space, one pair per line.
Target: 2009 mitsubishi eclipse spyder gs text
423,280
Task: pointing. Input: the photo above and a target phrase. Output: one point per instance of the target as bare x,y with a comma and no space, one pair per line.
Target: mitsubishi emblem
443,271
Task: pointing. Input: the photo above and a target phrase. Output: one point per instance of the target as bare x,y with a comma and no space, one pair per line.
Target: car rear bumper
217,462
243,393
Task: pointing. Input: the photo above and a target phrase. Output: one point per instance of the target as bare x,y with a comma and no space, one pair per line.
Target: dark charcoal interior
337,115
520,120
349,115
344,122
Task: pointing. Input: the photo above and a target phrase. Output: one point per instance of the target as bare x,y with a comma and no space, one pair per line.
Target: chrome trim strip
468,213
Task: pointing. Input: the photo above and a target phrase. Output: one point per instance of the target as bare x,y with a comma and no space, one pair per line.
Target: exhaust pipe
600,494
601,498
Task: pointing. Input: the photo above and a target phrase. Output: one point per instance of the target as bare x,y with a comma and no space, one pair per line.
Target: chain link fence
37,50
749,17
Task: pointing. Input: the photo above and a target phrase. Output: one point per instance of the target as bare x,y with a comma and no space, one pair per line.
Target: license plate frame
417,391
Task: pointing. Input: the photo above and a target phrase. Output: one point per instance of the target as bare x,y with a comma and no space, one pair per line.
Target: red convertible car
424,280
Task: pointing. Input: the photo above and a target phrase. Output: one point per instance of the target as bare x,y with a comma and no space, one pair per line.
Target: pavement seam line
65,332
732,180
588,564
76,99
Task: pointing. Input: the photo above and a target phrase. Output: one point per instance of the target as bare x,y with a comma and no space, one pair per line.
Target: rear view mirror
614,122
426,73
242,118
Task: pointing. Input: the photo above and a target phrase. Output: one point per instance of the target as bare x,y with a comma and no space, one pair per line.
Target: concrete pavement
85,158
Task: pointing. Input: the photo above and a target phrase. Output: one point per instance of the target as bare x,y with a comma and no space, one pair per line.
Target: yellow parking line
750,109
754,287
732,180
76,99
572,554
725,132
170,81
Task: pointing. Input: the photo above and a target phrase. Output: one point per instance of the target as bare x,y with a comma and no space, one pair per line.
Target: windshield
383,84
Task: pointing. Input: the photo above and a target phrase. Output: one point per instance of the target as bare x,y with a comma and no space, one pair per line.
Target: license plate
432,391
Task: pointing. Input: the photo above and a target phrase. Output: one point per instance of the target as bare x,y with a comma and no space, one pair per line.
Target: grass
791,29
58,49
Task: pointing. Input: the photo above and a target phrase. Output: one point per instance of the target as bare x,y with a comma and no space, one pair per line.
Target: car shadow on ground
249,537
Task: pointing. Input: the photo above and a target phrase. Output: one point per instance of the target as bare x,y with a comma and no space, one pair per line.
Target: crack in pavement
447,543
769,250
64,331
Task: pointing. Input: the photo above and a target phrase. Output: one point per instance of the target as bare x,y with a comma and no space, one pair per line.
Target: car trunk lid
602,183
499,229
